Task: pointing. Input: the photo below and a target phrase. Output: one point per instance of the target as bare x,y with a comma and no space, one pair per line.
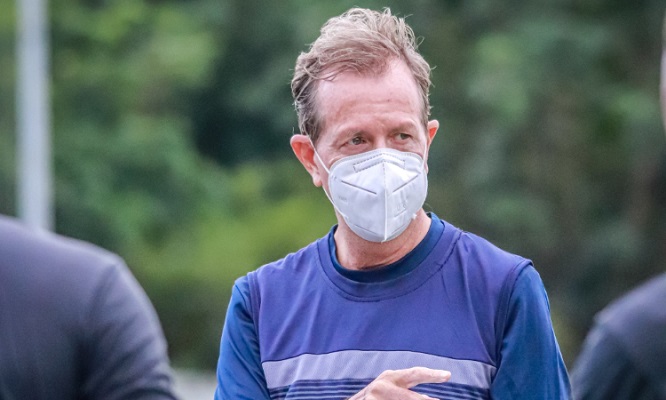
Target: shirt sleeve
125,353
531,365
603,370
239,371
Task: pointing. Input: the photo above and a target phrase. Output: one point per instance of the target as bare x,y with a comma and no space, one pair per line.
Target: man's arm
530,366
124,354
239,371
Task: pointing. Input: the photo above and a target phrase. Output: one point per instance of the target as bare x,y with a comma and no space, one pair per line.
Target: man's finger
407,378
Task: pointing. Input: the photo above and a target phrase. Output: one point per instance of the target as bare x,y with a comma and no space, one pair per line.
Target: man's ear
302,147
433,126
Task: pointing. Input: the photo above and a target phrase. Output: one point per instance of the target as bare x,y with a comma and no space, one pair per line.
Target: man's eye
356,140
404,136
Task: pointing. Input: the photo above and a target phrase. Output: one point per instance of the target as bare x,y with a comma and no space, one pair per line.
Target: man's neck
358,254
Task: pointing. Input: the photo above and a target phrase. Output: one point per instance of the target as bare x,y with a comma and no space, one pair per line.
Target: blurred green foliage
171,122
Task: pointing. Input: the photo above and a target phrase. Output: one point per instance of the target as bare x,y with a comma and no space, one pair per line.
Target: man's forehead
395,74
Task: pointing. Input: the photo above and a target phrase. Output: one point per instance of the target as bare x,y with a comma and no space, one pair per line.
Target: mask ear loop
425,152
317,155
424,167
329,175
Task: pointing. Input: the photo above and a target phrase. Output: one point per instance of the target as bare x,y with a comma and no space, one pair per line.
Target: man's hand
394,385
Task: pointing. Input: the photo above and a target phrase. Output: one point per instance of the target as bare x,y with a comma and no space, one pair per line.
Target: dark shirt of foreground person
74,323
624,356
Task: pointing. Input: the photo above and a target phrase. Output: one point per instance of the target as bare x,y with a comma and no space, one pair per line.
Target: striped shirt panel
343,389
341,374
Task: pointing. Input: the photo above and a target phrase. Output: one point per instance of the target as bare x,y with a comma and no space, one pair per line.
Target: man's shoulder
295,264
483,268
281,278
481,252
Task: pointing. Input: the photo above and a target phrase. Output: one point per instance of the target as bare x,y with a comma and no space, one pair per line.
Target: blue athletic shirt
304,327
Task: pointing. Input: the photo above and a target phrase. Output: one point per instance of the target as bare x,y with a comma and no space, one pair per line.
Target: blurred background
171,121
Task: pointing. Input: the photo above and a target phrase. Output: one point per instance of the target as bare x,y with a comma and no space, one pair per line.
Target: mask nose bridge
380,158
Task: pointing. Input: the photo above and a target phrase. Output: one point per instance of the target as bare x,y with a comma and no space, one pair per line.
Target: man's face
360,113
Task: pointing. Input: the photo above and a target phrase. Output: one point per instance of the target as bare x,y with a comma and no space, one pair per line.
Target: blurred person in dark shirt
624,355
74,323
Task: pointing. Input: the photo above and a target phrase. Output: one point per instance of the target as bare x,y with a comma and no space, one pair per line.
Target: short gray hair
360,40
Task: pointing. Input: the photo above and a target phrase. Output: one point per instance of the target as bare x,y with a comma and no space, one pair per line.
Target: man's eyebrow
351,131
405,126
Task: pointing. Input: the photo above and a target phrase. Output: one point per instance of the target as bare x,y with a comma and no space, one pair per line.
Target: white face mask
378,192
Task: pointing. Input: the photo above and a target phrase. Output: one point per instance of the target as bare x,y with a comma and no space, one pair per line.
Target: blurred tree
122,76
7,109
172,121
246,111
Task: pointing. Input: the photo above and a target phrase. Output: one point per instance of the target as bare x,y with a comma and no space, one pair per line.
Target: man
74,324
624,355
393,303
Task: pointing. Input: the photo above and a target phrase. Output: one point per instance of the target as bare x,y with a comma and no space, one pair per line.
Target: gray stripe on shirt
358,364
